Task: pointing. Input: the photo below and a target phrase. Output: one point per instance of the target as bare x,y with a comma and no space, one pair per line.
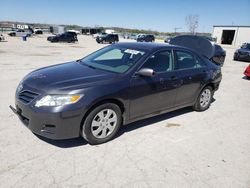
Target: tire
95,128
204,99
236,58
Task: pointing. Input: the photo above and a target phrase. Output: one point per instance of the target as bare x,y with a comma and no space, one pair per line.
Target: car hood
199,44
67,76
243,50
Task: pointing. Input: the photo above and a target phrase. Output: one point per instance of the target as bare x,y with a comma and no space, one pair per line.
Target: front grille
243,53
27,96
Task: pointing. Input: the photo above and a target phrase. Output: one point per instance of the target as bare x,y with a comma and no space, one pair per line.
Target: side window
187,60
200,63
160,62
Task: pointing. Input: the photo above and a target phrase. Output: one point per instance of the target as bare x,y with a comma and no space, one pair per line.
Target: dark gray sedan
115,85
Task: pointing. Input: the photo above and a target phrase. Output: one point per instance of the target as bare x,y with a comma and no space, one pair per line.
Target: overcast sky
161,15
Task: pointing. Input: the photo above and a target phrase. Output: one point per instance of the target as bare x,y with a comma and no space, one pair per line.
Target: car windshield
104,35
246,46
113,58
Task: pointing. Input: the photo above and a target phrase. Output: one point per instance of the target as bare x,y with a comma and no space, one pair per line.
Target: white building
233,35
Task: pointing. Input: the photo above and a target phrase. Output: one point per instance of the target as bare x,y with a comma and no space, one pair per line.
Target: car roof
146,46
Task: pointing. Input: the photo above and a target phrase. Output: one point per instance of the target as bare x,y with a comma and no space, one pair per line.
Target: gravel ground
179,149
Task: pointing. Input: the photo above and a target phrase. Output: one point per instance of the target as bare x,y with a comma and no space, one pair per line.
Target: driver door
152,94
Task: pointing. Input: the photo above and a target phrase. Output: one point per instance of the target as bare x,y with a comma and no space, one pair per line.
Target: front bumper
50,124
242,57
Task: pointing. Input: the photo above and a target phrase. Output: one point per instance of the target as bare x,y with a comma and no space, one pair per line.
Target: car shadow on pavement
76,142
246,78
149,121
155,119
67,143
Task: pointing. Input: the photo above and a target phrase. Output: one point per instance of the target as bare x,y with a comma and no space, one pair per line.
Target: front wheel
204,99
102,123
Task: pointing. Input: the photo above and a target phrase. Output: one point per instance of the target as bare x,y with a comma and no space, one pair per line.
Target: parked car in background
247,72
243,54
130,36
126,35
133,36
167,40
98,34
145,38
20,33
109,38
38,30
1,38
115,85
65,37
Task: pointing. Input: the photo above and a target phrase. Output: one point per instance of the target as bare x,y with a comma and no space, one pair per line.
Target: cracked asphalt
179,149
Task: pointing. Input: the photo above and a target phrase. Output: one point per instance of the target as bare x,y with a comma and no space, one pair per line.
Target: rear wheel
204,99
102,123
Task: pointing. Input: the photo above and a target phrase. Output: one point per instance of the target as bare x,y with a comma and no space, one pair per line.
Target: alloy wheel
104,123
205,98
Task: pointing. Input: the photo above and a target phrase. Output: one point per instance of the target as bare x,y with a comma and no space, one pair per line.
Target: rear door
192,72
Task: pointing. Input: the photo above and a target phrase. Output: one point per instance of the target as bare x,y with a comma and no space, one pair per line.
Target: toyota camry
116,85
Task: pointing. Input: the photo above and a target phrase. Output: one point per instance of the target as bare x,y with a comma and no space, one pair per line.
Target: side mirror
146,72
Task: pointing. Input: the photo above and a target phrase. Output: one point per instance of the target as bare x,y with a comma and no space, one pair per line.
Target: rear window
187,60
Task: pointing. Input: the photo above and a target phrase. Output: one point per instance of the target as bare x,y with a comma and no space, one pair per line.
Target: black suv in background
145,38
110,38
64,37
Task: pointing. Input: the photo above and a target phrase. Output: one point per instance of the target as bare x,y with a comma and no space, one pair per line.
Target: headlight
58,100
19,87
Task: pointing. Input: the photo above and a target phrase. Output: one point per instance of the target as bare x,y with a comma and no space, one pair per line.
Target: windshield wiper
90,66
